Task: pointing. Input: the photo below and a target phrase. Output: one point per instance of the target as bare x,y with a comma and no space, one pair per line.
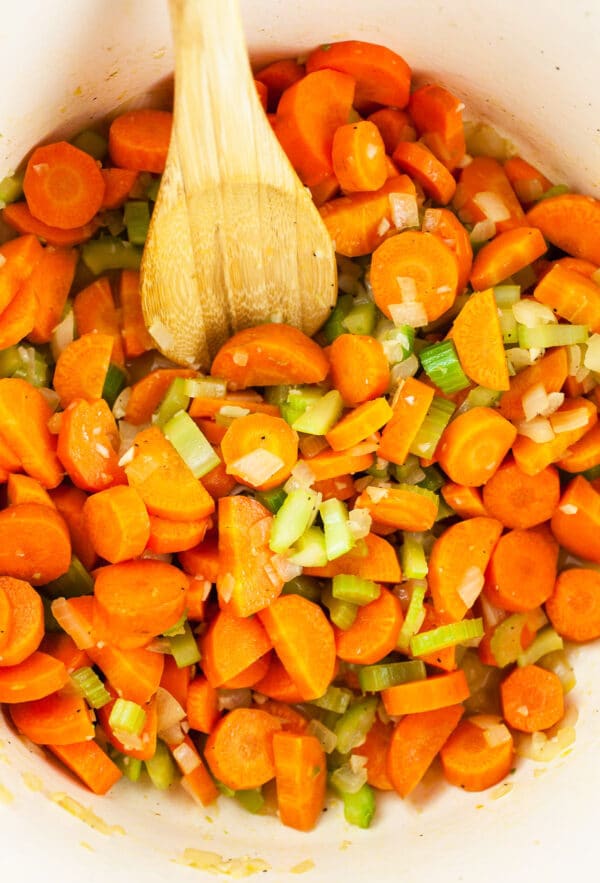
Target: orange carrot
165,483
426,169
290,719
278,685
279,76
137,600
95,310
201,706
168,536
70,501
88,442
374,632
77,617
359,424
436,691
394,126
532,699
375,749
465,501
420,260
210,406
63,185
247,581
359,368
230,645
90,763
270,354
471,760
81,368
571,295
574,606
358,157
308,113
576,520
147,393
402,508
34,543
136,339
251,675
8,459
474,444
50,283
445,225
551,371
175,680
139,139
239,751
482,356
382,76
341,488
6,618
62,647
117,523
333,464
457,563
446,657
197,781
511,582
410,406
571,222
202,561
520,500
118,184
584,454
214,433
244,443
18,318
300,779
35,677
303,638
56,719
415,742
24,489
24,415
579,413
18,259
484,181
437,115
527,181
505,255
377,561
18,216
143,746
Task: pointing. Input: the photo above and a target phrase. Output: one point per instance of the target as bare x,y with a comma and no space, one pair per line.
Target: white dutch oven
531,68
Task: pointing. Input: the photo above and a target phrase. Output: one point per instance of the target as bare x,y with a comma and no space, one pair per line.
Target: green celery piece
412,557
153,188
11,188
352,728
309,550
92,689
448,635
251,799
335,699
341,613
191,444
136,216
127,717
91,142
437,418
131,767
33,368
10,361
307,586
373,678
114,382
176,399
409,472
505,643
433,480
110,253
297,400
542,336
359,808
507,295
441,364
272,499
184,648
361,318
546,641
414,616
161,767
293,517
320,417
556,190
335,324
354,589
75,582
211,387
338,536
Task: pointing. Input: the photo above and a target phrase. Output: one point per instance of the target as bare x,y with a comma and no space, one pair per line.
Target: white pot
532,69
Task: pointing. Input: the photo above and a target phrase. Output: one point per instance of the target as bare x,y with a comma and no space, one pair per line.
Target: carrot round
69,502
415,742
481,352
63,185
168,536
303,639
532,699
6,617
382,76
270,354
571,295
422,258
574,605
374,632
94,310
56,719
239,751
22,619
81,368
401,508
201,705
527,181
358,157
584,454
437,115
358,424
333,464
533,456
465,501
24,489
511,581
436,691
135,674
551,371
300,779
118,184
520,500
481,178
90,764
474,444
471,759
252,434
18,216
34,543
291,720
139,139
505,255
571,222
230,645
444,224
425,168
279,76
359,368
36,676
24,415
50,283
88,445
117,523
576,520
139,599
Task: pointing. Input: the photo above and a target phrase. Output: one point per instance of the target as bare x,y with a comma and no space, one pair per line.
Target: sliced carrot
24,489
214,433
24,415
278,685
303,638
35,677
6,619
511,582
118,184
201,705
465,501
571,295
251,675
70,501
300,779
457,564
56,719
358,157
359,424
136,339
90,763
62,647
520,500
63,185
527,181
208,406
81,368
422,259
532,699
483,181
8,459
532,457
167,536
34,543
574,606
139,139
147,393
394,126
359,368
402,508
244,443
444,224
341,488
18,258
18,318
197,782
435,692
270,354
474,444
230,645
377,560
239,751
18,216
471,760
76,616
437,115
374,632
576,520
279,76
410,405
333,464
117,523
144,745
88,445
382,76
571,222
425,168
175,680
584,454
202,561
506,254
416,741
551,371
481,355
291,720
50,283
94,309
375,749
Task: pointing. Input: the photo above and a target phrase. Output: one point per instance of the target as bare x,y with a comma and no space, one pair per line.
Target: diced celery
127,717
361,318
354,589
556,190
10,361
297,400
506,295
373,678
307,586
76,581
441,364
335,324
131,767
161,767
409,472
178,628
412,556
558,662
380,469
433,480
448,635
137,220
398,342
542,336
184,648
341,613
437,418
11,188
339,539
479,397
153,188
211,387
414,616
251,799
114,382
334,699
508,326
294,516
50,621
505,643
91,142
110,253
272,499
359,808
592,474
444,510
319,417
277,394
92,689
546,641
309,550
191,444
176,399
113,221
33,367
352,728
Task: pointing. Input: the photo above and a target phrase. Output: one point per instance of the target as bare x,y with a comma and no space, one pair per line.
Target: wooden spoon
235,239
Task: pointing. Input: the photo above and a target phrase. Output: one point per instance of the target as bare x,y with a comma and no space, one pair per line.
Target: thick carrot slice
571,295
136,339
471,760
358,157
359,424
511,582
394,126
382,76
251,675
570,221
576,521
24,415
95,310
532,456
270,354
422,259
481,354
424,167
416,741
201,705
333,464
402,508
168,536
117,523
175,680
247,581
584,454
70,501
139,139
147,393
505,255
308,114
446,657
359,368
278,685
63,185
520,500
457,564
465,501
291,720
484,181
165,483
18,318
135,673
18,216
202,561
376,561
24,489
551,371
375,749
340,488
88,443
197,782
474,444
90,764
18,259
36,676
527,181
574,606
300,779
118,184
303,639
230,645
532,699
81,368
444,224
244,443
203,407
138,600
34,543
436,691
51,282
437,115
56,719
279,76
410,405
239,751
62,647
6,619
374,632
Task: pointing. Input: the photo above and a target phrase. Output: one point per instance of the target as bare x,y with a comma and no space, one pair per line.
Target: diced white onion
127,457
407,368
483,231
52,398
284,568
301,478
532,313
232,411
127,434
538,747
119,408
186,757
173,735
161,335
575,359
431,219
518,358
323,734
492,615
405,210
411,313
555,400
62,335
538,430
534,401
565,421
408,289
470,586
359,523
102,450
384,226
592,354
240,358
168,710
492,206
226,587
568,509
494,730
376,494
257,466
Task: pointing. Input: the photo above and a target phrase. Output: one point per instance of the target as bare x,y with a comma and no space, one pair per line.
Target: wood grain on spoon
235,238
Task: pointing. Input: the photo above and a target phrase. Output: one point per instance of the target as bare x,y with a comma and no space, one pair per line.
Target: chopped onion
555,400
323,734
483,230
408,289
405,210
161,335
284,568
534,401
348,780
407,368
565,421
384,226
470,586
127,434
301,478
411,313
592,354
575,359
240,357
227,700
62,335
168,710
226,587
431,219
119,408
532,313
186,757
494,730
359,522
74,625
173,735
2,258
519,358
127,457
257,466
377,494
492,206
52,398
538,430
569,509
538,747
492,615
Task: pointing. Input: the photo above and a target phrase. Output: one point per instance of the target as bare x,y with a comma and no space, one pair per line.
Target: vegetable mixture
329,561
